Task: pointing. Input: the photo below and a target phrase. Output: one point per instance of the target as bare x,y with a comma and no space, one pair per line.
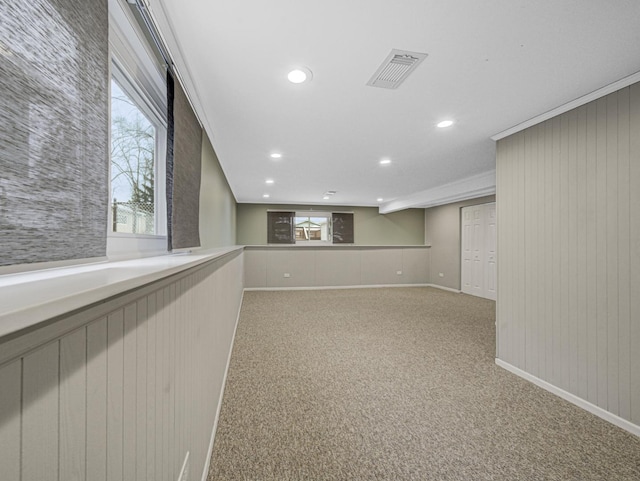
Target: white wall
568,199
265,267
122,390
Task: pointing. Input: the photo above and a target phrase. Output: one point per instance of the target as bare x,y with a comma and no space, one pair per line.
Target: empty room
312,240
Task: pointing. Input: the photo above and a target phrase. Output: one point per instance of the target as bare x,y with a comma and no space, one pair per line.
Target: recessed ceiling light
275,155
445,123
385,161
326,197
268,181
379,199
300,75
266,196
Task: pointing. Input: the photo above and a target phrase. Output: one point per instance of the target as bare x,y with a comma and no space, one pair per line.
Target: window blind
281,228
53,130
342,228
184,151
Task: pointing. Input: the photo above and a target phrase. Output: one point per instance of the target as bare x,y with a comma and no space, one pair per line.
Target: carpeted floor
395,384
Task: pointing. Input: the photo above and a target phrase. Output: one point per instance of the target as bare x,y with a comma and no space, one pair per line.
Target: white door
490,270
467,250
479,250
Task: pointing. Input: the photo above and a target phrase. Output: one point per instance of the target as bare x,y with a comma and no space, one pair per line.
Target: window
133,165
313,228
309,228
138,128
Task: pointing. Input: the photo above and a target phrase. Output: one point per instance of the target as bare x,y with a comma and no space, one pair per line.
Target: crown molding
585,99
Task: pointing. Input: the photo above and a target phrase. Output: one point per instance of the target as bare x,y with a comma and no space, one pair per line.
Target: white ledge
333,246
29,298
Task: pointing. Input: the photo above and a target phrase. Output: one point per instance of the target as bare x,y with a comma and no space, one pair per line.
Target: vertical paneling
601,250
115,395
179,374
562,287
634,254
624,247
569,231
530,331
612,253
502,308
129,384
539,226
152,312
126,396
548,259
591,265
162,414
519,265
556,269
10,436
73,405
582,259
40,409
142,339
571,227
170,293
97,400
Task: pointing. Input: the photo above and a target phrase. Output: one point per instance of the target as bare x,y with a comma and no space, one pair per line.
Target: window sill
334,246
126,235
27,299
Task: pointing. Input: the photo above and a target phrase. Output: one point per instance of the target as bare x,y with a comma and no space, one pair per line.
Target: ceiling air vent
396,68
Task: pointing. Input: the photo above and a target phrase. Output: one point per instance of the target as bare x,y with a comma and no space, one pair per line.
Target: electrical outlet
441,274
399,273
287,275
184,473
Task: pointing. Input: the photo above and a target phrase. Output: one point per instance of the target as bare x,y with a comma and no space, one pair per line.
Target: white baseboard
572,398
324,288
207,463
457,291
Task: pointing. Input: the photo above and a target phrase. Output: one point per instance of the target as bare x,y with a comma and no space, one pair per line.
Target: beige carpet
395,384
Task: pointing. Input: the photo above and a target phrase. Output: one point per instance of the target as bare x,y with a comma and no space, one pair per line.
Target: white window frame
313,213
136,70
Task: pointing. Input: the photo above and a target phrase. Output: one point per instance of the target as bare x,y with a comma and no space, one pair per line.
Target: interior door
467,250
490,270
478,276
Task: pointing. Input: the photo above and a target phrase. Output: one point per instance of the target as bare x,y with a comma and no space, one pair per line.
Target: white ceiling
491,65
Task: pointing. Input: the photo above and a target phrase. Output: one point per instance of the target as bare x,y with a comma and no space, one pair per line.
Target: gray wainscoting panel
338,267
324,266
415,266
298,264
380,266
255,274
